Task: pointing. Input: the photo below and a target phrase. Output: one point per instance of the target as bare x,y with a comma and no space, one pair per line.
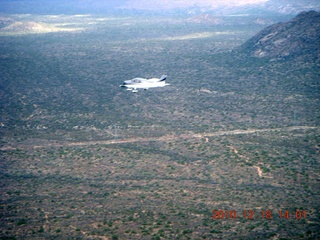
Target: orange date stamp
262,214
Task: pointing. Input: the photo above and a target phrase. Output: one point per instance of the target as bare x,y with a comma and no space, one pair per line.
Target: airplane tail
163,78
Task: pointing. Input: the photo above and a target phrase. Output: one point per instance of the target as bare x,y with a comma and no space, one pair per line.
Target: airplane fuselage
143,83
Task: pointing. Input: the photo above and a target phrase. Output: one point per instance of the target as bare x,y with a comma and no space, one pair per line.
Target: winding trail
232,148
164,138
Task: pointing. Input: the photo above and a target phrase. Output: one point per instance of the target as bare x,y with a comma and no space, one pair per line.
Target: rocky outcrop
298,37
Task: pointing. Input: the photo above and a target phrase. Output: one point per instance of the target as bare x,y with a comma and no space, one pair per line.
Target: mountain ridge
298,37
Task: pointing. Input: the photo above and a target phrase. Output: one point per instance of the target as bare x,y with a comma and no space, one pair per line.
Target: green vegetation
81,158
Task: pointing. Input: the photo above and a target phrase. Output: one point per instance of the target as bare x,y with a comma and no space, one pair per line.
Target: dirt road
164,138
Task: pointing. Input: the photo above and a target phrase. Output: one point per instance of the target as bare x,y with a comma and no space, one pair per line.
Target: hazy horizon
162,7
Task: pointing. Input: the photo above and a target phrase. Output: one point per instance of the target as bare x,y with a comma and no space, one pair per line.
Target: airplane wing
142,83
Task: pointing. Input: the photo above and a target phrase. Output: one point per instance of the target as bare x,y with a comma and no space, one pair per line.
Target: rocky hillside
299,37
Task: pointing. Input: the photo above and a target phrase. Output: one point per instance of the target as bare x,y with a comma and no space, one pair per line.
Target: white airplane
144,83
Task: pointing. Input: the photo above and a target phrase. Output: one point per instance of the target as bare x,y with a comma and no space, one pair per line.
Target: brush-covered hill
299,37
